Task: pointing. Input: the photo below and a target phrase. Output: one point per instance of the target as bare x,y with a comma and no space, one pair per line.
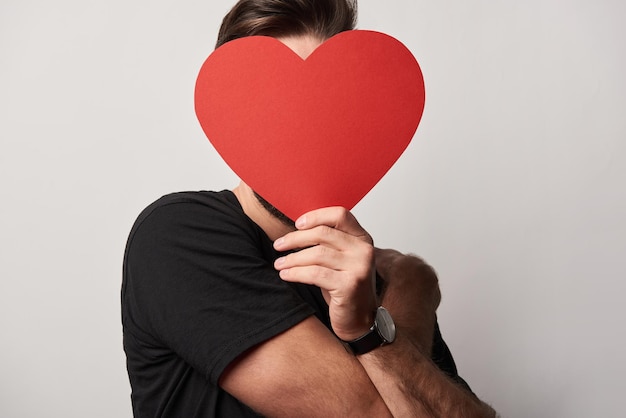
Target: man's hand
335,254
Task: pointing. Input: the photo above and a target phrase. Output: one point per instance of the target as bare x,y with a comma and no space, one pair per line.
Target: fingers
319,235
334,217
335,254
326,244
333,226
324,266
319,276
315,255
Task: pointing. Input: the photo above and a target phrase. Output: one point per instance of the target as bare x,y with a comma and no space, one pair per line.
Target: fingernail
280,261
279,243
301,222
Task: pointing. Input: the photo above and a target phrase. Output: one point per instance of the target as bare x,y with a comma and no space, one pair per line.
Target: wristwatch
382,332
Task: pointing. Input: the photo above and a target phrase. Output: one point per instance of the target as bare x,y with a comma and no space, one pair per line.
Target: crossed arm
306,371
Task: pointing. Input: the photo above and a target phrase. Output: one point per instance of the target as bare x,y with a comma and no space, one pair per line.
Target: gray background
513,188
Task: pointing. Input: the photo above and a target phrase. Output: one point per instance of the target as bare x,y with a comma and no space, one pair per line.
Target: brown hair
320,18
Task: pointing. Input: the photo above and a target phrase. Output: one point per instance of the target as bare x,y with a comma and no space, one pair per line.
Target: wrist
382,332
361,327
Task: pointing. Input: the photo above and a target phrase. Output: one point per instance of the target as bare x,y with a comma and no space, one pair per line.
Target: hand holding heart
313,133
337,256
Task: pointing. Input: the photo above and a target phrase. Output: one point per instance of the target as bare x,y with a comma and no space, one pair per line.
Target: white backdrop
513,188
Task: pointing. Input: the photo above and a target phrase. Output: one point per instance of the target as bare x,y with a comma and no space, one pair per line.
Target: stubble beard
284,219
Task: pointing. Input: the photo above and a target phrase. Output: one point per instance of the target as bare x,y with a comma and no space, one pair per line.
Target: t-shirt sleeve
442,357
199,283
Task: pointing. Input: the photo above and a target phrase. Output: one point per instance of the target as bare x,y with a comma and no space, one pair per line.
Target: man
231,309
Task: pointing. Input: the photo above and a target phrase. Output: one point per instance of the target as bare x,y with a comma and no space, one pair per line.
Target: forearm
411,294
303,372
412,386
337,256
409,382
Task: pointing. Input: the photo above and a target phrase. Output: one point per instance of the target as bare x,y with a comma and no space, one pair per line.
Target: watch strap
367,342
382,332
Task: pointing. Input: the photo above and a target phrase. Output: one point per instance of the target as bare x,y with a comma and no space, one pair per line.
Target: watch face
385,325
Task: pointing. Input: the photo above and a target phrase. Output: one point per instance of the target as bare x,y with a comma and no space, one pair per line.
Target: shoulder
223,202
193,227
193,212
199,228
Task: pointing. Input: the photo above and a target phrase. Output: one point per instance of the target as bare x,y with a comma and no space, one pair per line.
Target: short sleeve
200,280
442,357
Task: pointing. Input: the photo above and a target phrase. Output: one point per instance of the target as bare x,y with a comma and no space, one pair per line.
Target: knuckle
359,276
321,252
343,216
351,282
365,251
325,232
369,252
318,272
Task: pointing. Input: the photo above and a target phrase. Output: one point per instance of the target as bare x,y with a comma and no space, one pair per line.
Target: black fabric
199,289
442,357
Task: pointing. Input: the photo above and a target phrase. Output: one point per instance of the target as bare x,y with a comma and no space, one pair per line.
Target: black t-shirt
199,289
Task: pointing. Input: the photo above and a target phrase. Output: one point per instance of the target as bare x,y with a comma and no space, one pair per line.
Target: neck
271,225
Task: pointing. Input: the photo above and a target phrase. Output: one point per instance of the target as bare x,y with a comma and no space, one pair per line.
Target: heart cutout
306,134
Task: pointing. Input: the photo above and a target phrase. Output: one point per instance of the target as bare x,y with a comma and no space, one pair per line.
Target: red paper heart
311,133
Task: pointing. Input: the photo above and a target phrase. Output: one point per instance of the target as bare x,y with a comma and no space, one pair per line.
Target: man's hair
279,18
